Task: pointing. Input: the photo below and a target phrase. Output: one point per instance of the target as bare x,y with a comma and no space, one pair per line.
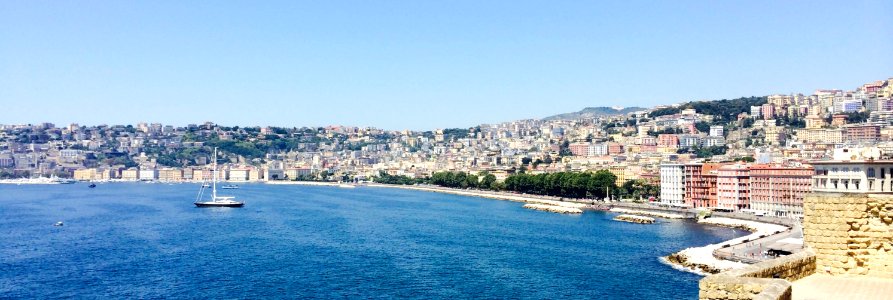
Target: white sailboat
216,201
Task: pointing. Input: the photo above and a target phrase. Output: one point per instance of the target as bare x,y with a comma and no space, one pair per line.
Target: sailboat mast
214,184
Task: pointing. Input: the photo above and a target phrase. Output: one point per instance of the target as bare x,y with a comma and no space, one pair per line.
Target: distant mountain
590,112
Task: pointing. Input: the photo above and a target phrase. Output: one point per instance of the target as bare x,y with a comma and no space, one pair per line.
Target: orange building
779,190
700,184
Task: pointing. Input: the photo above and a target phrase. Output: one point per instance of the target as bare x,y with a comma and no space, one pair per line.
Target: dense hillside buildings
696,151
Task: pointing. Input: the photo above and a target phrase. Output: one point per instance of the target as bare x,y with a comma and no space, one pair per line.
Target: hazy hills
590,112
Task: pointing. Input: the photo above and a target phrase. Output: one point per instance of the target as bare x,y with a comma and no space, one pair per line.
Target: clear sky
418,64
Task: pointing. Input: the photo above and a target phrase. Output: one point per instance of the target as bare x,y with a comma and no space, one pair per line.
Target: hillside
594,111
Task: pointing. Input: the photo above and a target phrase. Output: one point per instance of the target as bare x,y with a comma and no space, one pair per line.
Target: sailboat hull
218,204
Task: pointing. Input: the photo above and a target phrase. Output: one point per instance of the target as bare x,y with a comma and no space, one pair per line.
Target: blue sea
138,240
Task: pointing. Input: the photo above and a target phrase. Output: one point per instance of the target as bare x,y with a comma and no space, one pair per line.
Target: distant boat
92,185
229,187
59,223
65,181
206,185
216,201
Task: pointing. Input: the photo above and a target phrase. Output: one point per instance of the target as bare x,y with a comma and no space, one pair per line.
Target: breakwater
634,219
553,208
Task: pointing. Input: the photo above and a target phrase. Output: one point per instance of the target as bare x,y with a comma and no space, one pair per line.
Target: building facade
733,187
700,184
779,190
672,184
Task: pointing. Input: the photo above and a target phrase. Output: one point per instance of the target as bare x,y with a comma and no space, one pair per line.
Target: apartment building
733,187
672,184
700,184
779,190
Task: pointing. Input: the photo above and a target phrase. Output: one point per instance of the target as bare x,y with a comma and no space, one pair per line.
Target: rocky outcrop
634,219
682,260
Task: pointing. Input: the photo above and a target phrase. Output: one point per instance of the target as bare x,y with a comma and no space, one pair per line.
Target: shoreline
697,260
700,260
524,198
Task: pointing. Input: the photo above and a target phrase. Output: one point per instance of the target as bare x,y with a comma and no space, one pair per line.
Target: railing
728,252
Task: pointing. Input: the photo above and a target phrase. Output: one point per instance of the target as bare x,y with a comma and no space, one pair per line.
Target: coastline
314,183
700,260
524,198
697,260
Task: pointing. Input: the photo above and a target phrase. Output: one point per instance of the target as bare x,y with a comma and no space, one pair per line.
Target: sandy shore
647,213
700,260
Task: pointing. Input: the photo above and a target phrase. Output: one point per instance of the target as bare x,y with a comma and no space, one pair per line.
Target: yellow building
622,173
819,135
130,174
85,174
170,175
254,174
202,175
238,174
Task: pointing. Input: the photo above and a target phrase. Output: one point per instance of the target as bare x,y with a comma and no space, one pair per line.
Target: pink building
768,111
579,149
779,190
668,140
733,187
615,148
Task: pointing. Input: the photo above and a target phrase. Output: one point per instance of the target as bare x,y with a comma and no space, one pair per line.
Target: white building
148,174
597,149
854,170
756,111
672,184
716,130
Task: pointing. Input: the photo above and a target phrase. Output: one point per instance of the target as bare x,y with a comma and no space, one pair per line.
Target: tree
565,149
702,126
487,180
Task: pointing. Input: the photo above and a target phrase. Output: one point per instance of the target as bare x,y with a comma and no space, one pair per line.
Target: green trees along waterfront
597,184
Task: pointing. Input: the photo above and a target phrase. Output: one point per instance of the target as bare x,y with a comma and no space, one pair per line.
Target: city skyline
417,66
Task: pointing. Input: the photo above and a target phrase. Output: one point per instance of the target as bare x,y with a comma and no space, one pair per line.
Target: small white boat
229,187
59,223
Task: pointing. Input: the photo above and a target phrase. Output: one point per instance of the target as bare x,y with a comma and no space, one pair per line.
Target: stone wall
766,280
852,234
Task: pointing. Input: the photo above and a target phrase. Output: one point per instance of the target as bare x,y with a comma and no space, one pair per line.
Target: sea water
138,240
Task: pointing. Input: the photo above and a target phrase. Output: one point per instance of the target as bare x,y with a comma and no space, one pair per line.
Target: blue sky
418,64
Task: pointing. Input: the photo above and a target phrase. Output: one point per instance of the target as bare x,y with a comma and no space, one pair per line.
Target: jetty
553,208
634,219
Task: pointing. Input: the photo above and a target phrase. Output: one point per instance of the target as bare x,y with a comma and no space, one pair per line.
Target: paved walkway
828,287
